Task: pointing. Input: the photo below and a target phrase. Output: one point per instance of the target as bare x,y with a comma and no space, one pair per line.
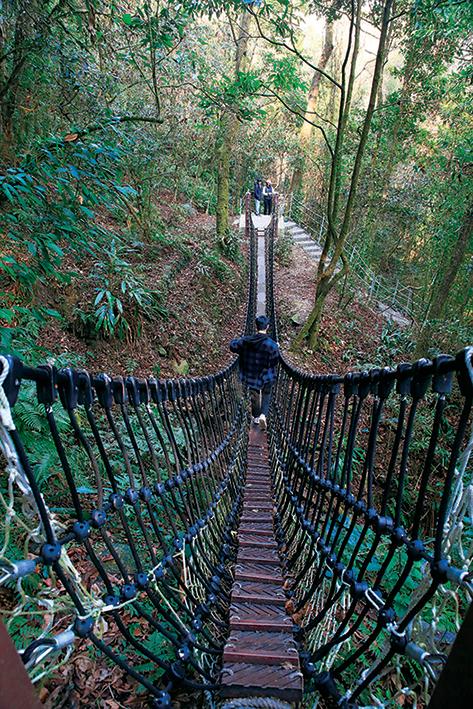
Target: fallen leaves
295,292
204,313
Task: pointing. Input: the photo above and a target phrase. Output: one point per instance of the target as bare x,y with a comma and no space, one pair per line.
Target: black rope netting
148,482
130,544
373,497
167,461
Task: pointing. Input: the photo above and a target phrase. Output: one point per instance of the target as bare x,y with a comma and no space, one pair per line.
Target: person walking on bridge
258,195
268,197
258,356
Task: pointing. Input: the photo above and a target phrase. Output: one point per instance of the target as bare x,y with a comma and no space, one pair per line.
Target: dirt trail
304,240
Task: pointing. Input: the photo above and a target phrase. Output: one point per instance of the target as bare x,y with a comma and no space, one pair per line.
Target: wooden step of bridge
260,658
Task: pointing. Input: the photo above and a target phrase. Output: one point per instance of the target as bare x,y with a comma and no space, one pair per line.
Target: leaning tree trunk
328,277
443,286
307,128
228,132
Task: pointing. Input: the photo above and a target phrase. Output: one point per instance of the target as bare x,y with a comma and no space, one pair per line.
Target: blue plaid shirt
257,358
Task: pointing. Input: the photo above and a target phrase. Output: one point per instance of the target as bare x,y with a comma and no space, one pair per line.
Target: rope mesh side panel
130,542
375,505
146,487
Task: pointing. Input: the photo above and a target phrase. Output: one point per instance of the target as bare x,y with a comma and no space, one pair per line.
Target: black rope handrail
163,463
356,525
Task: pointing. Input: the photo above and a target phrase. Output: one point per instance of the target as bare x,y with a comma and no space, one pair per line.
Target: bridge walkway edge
260,658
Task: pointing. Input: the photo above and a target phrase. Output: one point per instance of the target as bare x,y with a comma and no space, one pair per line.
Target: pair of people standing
263,193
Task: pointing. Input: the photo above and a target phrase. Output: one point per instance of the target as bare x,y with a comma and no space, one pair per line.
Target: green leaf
126,190
54,247
182,367
7,314
9,193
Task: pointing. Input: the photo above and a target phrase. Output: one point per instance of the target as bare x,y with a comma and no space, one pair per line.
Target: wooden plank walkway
260,658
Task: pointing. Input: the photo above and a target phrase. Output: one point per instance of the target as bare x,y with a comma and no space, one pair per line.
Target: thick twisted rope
255,703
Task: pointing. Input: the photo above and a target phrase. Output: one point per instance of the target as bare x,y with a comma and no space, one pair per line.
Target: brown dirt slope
203,305
352,334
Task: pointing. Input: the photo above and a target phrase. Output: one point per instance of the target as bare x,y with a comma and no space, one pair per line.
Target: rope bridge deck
149,520
260,657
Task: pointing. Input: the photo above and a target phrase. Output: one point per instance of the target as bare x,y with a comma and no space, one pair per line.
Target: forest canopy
358,111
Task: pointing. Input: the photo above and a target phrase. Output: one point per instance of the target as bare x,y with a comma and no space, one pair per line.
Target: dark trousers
260,400
268,203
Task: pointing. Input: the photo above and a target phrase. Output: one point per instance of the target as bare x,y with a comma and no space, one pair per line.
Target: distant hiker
268,197
258,195
258,356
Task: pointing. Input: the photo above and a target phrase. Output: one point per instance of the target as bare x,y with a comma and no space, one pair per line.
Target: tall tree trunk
228,132
345,114
327,275
307,128
10,82
443,286
395,141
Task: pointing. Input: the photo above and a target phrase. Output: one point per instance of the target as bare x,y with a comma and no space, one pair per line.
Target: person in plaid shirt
258,356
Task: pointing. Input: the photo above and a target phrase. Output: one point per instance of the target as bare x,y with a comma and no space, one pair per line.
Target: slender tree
448,275
307,126
229,125
329,271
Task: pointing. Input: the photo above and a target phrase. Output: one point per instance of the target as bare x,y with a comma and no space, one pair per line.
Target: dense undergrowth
96,273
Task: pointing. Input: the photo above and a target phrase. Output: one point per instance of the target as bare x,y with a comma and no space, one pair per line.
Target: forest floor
353,335
203,298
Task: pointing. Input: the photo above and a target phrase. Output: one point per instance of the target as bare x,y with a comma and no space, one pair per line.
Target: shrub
122,300
283,250
210,264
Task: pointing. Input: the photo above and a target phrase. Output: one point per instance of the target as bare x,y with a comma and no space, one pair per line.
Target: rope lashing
198,502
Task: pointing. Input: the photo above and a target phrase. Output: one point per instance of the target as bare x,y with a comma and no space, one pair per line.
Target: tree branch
116,120
293,50
301,115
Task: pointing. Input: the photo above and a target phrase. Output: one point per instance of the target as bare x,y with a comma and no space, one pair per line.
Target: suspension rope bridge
330,556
